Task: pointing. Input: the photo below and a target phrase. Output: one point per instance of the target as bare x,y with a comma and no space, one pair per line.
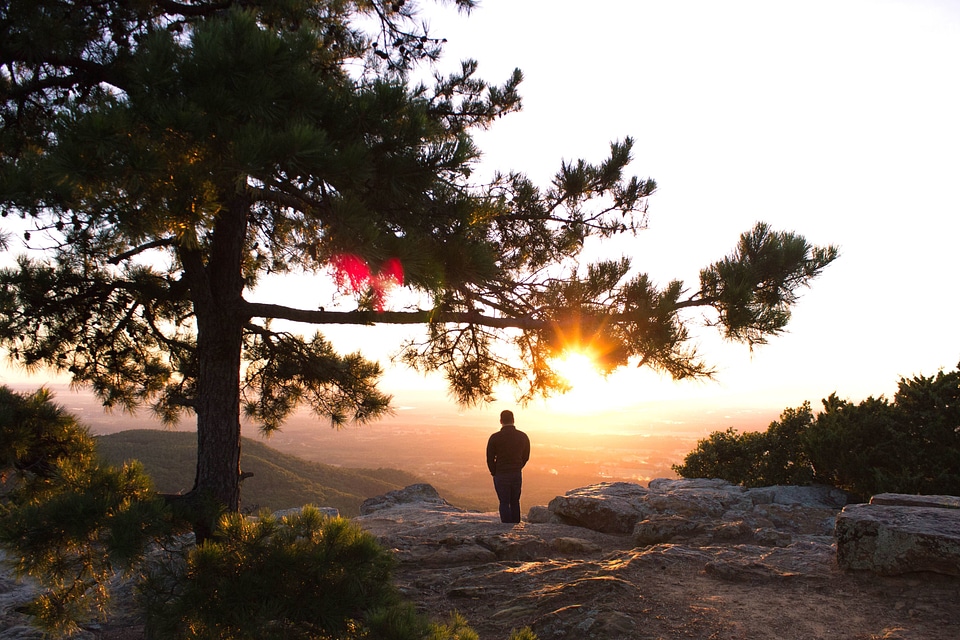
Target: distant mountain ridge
279,481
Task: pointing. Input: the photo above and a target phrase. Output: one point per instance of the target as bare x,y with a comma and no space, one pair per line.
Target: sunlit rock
567,546
414,494
609,507
892,539
698,511
540,514
662,528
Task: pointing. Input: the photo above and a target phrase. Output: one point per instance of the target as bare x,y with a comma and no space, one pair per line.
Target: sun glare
587,385
593,392
577,368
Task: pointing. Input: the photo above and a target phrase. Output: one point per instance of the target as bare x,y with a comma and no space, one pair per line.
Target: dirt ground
623,598
678,605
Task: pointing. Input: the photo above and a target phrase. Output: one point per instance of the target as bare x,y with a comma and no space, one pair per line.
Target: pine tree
168,155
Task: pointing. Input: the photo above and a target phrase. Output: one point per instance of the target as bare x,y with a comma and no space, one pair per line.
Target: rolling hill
279,481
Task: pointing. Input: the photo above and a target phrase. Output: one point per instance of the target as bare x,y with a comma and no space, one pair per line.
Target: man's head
506,417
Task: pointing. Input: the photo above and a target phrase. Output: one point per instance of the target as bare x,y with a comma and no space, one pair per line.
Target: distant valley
437,445
279,481
453,456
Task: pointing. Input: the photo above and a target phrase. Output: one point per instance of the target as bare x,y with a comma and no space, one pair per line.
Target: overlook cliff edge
675,559
683,559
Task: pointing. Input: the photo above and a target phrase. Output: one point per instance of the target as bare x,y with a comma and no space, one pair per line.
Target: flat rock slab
892,539
907,500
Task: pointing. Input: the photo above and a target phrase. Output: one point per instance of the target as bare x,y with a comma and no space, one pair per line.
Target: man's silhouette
507,452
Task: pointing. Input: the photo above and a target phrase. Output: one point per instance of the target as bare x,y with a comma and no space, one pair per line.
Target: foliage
168,156
297,576
754,459
910,445
36,439
70,522
754,288
728,455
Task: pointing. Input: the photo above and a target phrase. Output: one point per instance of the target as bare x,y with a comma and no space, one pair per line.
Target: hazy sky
838,119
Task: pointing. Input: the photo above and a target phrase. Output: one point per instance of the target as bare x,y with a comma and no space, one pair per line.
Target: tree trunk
217,289
218,417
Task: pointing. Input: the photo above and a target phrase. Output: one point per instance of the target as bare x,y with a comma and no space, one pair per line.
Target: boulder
608,507
890,539
422,493
662,528
567,546
540,514
698,511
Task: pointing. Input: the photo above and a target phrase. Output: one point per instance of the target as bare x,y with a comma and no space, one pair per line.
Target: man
507,452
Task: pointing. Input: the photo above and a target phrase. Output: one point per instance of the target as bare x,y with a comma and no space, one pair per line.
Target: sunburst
577,368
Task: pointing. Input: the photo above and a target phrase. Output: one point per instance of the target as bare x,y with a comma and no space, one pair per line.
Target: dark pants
508,491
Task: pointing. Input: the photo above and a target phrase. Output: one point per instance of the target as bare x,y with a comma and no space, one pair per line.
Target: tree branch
425,317
159,242
280,312
169,6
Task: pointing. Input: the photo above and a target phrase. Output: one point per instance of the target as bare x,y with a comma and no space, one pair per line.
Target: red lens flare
350,270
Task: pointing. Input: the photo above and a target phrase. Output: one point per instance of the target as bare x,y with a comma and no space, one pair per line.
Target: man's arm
491,456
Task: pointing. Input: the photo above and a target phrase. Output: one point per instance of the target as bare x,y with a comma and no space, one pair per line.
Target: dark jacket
507,450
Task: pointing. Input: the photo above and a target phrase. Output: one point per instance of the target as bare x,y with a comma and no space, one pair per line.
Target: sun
587,385
577,368
593,390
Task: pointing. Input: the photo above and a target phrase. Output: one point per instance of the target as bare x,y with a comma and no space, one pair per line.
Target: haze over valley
446,448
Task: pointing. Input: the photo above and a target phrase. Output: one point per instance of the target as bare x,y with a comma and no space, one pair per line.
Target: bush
71,522
860,448
300,576
755,459
910,445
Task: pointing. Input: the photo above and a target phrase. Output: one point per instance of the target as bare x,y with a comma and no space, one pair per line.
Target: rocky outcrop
897,534
698,511
619,561
435,534
620,514
679,558
416,494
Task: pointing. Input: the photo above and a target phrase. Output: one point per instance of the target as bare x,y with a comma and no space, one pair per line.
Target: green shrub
70,522
300,576
859,448
755,459
910,445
